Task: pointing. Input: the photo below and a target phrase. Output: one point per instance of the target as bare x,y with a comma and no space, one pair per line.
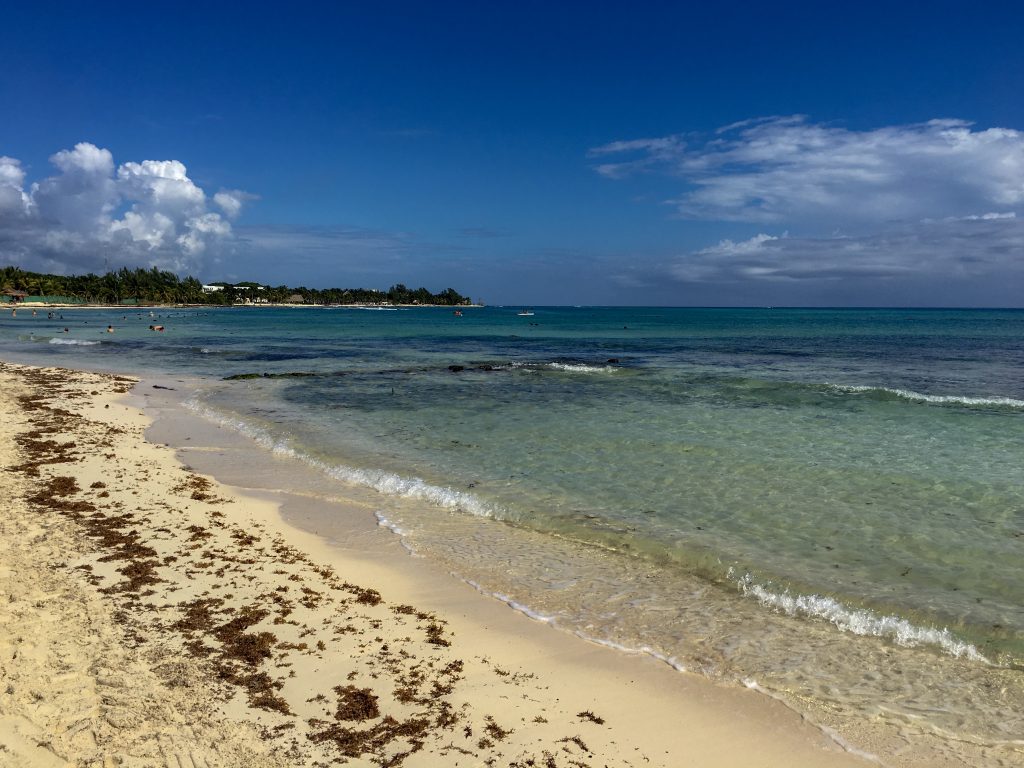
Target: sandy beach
150,615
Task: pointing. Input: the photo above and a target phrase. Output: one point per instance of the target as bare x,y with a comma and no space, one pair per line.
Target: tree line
154,286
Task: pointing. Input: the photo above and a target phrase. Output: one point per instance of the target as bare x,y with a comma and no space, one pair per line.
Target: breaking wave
382,481
581,368
905,394
860,621
75,342
558,366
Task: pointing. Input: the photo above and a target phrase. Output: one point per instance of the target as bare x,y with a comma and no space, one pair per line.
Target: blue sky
650,153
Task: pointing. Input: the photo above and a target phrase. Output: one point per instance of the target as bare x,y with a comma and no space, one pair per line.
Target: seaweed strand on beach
323,667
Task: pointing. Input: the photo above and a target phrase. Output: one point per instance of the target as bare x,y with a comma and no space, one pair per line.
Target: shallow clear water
749,485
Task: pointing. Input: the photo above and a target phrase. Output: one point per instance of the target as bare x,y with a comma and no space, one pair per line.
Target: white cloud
976,247
160,185
153,229
231,201
729,248
985,217
84,158
785,169
13,200
82,197
728,259
651,152
88,214
200,230
926,212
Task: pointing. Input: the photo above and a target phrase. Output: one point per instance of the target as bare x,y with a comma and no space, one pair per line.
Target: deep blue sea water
755,493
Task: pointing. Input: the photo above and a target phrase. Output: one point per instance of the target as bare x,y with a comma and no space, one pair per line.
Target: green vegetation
153,286
138,285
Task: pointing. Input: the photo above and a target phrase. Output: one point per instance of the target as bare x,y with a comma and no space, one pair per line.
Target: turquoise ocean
825,504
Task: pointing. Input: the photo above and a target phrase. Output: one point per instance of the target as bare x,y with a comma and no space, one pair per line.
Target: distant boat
525,313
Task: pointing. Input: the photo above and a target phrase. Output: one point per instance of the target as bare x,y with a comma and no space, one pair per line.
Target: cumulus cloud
783,169
92,213
13,200
231,201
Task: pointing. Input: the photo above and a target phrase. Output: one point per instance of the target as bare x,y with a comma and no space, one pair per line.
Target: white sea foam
831,733
536,615
1007,402
382,481
564,367
860,621
581,368
526,610
523,609
392,484
75,342
646,650
383,522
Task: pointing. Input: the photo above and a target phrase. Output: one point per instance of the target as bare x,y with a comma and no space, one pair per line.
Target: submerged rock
289,375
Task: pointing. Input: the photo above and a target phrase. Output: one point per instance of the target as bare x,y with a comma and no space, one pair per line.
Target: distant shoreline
126,307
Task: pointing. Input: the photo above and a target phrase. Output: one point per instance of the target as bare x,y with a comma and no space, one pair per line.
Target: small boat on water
525,313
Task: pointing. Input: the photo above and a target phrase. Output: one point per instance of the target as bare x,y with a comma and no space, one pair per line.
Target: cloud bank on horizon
936,198
90,214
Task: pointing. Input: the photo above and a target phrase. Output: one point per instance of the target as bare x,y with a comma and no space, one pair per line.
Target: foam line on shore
526,610
831,733
531,613
400,532
644,650
510,602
